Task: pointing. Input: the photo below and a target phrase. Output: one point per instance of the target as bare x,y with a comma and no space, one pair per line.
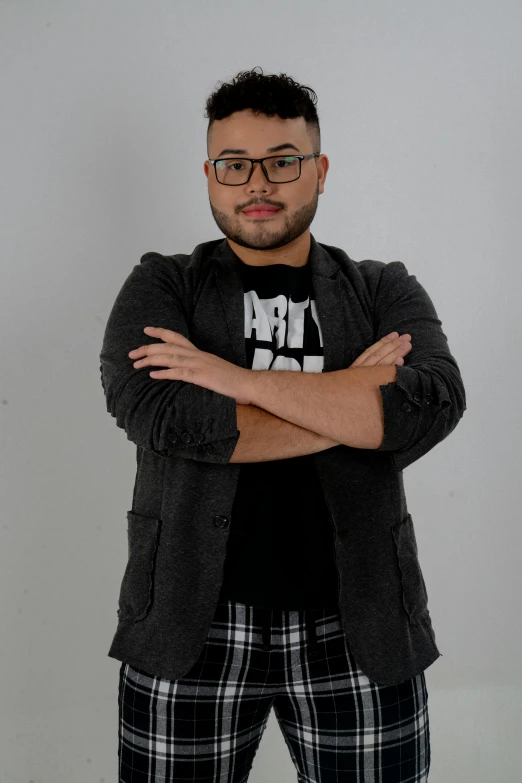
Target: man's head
254,114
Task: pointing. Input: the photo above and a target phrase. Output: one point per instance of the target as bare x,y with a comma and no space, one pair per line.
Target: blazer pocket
136,593
414,594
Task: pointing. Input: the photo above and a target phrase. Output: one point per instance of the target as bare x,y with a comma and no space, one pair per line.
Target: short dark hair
265,94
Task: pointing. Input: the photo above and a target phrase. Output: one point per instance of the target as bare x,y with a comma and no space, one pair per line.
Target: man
275,390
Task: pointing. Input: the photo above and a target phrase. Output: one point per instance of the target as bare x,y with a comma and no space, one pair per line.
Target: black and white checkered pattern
339,726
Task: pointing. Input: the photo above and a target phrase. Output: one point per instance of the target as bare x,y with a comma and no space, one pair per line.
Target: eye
289,160
229,163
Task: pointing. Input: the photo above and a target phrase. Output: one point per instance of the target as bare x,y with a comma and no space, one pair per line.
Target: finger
389,338
396,356
178,358
399,352
174,374
180,373
155,348
387,355
393,347
167,335
374,353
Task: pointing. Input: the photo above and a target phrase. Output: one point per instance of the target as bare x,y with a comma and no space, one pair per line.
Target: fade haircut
265,94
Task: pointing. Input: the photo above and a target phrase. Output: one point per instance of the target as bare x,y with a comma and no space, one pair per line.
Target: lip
261,212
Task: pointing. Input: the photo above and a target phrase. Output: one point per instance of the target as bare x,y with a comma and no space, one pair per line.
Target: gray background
102,145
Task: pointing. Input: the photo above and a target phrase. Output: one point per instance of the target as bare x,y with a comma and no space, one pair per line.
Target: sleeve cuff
409,406
209,439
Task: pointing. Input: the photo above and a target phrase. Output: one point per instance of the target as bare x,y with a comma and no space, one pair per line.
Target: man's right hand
389,350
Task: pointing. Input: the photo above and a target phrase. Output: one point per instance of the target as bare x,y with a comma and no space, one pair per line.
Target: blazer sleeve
168,417
428,399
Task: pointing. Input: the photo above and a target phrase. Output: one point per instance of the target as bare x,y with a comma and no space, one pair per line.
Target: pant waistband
310,621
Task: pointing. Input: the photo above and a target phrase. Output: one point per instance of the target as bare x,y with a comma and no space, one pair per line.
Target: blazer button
417,397
199,437
186,437
220,521
406,406
427,399
172,438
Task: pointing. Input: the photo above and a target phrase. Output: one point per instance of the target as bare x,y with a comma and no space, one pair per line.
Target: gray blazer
185,435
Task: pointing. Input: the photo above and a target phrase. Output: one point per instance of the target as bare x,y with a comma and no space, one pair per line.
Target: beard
266,234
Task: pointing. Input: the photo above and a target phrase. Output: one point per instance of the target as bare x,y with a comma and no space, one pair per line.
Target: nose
258,175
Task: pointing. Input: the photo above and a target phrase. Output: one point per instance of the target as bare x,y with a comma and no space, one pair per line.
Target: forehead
244,133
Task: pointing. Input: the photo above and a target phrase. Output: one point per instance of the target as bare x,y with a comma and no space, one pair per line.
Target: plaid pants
339,726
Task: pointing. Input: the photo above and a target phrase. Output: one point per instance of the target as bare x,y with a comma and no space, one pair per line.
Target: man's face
297,200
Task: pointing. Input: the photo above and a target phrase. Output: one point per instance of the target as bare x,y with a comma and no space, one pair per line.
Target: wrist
254,378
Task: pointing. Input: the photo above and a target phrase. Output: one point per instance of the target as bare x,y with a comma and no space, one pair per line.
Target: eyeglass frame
260,160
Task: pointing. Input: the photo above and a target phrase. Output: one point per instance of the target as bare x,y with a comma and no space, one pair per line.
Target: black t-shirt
280,551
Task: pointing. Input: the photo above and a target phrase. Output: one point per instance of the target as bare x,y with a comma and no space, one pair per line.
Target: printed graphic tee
280,550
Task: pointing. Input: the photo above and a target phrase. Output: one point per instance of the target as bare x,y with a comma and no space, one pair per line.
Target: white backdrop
103,139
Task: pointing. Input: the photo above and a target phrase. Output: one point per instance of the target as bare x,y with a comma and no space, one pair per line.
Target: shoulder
370,273
181,262
185,270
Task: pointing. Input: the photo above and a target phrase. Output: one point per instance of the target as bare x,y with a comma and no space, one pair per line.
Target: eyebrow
229,151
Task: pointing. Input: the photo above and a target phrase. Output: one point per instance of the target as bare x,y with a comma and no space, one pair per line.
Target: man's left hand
188,363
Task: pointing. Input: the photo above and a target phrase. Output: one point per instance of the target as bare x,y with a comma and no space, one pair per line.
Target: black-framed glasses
281,168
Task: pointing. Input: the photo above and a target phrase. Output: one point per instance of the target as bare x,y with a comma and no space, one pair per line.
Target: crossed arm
302,413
